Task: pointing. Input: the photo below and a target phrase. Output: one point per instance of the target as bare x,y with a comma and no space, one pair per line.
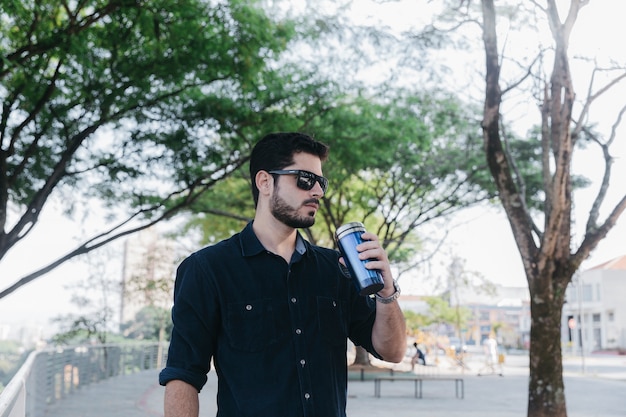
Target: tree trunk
546,397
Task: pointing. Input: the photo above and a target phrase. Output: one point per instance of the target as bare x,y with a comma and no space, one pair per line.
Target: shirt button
293,299
302,362
307,395
249,307
298,331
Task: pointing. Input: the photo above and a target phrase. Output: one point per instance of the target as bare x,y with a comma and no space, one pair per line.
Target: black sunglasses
306,180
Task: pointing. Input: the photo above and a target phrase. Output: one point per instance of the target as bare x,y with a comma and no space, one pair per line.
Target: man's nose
317,190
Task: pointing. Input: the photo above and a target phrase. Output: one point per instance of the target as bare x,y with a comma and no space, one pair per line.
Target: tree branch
591,97
608,162
496,157
192,193
592,238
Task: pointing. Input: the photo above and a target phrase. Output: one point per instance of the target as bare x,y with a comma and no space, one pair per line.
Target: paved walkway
598,392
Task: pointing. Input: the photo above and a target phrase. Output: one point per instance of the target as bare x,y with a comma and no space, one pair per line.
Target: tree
95,297
440,312
551,243
12,356
459,279
396,163
550,254
409,163
416,321
142,106
149,265
148,325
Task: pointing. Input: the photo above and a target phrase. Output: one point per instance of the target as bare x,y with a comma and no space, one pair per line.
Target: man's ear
264,181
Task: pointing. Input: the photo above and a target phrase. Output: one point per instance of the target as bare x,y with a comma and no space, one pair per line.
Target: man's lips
312,203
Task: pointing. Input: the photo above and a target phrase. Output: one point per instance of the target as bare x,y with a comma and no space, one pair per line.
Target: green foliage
79,329
9,347
152,108
12,356
148,324
440,311
395,163
415,322
224,210
418,161
144,105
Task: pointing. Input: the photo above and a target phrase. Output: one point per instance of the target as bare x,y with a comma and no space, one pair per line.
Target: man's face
294,206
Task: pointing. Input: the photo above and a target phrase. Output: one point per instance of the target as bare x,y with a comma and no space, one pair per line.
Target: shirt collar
300,245
251,245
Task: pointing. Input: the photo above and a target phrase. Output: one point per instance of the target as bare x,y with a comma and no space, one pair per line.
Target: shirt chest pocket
330,318
251,326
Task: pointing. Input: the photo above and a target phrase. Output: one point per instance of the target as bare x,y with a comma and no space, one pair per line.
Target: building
594,315
28,335
505,311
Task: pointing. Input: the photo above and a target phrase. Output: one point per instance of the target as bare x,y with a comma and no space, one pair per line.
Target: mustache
311,200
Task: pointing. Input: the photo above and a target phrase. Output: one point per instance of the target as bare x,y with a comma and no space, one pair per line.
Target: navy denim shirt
276,332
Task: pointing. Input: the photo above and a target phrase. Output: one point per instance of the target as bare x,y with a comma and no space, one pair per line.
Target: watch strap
393,297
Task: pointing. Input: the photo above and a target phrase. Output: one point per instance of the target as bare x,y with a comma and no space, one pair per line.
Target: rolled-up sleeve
362,316
194,315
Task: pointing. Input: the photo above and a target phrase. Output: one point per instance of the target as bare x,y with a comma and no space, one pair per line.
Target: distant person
492,358
270,310
418,358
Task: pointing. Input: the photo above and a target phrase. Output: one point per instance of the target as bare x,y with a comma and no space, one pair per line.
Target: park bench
367,371
459,386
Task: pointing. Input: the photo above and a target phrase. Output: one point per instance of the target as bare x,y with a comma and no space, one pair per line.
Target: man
418,358
272,311
492,358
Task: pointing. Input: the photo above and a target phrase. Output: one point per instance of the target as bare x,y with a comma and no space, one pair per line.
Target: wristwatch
392,297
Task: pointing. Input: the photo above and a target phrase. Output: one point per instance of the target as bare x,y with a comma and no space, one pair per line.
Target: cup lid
348,228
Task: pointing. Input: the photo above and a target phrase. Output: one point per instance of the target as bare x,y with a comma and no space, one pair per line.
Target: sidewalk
599,392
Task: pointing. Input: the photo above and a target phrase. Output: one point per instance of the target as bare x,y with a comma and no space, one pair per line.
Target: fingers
372,250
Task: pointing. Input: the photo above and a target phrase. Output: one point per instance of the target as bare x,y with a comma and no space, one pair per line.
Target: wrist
387,291
385,297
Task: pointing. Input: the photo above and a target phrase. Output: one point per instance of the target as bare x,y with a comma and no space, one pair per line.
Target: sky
46,297
481,236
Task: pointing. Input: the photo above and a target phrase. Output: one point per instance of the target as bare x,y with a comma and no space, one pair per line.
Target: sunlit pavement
599,391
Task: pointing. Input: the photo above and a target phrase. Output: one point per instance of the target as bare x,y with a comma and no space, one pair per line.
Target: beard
288,215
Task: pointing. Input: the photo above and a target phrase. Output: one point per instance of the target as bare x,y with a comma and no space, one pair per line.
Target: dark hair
276,151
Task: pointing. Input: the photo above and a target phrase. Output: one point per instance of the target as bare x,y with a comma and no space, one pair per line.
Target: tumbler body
368,281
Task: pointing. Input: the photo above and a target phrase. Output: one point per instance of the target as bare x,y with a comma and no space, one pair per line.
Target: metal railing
49,375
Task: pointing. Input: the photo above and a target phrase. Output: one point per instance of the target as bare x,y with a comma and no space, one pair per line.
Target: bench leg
459,388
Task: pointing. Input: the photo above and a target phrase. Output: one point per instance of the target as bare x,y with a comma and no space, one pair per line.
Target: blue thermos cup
348,236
